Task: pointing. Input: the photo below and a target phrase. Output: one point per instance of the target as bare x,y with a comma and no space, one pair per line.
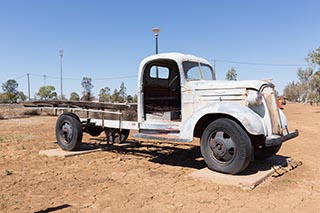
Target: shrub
31,112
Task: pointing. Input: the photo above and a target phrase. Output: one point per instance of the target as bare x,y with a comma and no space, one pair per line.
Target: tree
87,88
308,89
314,57
74,96
104,94
129,99
22,96
315,87
115,96
47,92
305,76
292,91
135,98
314,83
132,99
10,90
3,98
231,74
122,93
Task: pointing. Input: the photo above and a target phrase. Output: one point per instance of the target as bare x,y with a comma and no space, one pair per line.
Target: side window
159,72
193,74
207,73
196,71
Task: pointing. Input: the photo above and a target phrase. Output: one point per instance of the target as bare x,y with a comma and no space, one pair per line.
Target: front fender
248,118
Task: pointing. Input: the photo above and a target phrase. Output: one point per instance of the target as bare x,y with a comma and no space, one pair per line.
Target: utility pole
28,86
61,55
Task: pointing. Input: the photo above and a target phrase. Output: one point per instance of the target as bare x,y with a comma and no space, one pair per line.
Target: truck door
162,91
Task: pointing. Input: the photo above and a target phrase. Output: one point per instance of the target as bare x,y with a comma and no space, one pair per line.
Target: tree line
307,89
12,95
10,92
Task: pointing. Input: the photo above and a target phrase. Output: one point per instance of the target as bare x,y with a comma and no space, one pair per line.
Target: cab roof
178,57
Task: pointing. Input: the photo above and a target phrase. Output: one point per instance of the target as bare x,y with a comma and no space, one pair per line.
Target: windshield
195,71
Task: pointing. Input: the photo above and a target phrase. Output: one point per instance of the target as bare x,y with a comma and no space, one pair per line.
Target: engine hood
217,84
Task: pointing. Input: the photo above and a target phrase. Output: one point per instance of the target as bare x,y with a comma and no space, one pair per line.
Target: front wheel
226,147
69,132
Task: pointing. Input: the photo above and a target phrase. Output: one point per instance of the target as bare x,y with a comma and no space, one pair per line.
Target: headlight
254,97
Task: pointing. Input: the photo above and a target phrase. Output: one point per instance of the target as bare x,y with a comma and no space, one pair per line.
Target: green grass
205,202
15,138
3,201
8,172
3,139
287,181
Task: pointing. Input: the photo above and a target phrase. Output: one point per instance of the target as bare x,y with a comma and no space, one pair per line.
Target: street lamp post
61,55
156,35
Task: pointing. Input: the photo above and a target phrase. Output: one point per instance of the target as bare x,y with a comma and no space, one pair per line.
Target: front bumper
276,140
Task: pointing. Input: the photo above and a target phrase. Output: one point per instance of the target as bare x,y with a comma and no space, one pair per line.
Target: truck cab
165,100
179,98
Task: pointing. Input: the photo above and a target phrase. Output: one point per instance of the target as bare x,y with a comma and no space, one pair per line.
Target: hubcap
66,132
222,147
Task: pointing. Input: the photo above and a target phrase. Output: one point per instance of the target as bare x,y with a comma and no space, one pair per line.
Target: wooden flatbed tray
81,104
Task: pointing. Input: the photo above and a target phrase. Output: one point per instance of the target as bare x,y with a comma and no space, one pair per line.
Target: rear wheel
226,147
69,132
117,136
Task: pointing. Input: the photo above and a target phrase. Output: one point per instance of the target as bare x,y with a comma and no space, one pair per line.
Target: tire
72,115
69,132
226,147
95,131
266,152
117,136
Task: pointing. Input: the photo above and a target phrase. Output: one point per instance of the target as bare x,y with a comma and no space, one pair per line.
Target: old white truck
179,98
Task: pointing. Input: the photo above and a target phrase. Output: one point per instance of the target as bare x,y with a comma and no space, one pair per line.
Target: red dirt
150,177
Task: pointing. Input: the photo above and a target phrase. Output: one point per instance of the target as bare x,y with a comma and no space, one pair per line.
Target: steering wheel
173,80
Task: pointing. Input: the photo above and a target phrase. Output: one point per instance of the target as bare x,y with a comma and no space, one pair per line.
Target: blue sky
106,40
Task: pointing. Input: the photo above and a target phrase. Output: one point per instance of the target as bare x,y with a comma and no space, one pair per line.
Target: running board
161,137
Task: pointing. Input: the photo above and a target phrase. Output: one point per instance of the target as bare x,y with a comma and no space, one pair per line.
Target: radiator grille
271,101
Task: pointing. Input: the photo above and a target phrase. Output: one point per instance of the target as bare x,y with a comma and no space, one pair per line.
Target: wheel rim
222,147
66,132
116,136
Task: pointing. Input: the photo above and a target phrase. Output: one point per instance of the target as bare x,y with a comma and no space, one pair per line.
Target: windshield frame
197,66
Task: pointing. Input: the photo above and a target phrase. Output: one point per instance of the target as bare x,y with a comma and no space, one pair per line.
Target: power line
96,79
22,76
36,75
77,79
258,63
53,77
129,76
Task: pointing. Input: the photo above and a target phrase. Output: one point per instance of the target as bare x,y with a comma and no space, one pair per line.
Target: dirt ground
152,176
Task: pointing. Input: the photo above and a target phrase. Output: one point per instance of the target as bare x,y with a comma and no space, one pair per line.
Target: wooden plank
82,104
